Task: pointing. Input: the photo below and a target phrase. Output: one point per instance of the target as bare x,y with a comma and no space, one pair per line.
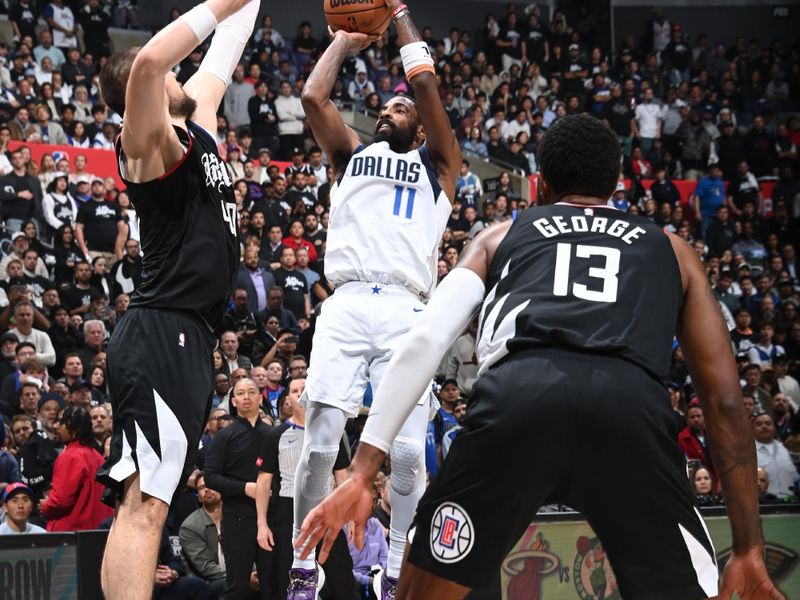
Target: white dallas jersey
388,214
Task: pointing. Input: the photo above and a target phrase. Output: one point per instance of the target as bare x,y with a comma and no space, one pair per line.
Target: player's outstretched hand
747,576
351,501
355,41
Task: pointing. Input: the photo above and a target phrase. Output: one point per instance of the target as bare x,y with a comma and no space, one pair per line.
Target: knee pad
406,454
320,469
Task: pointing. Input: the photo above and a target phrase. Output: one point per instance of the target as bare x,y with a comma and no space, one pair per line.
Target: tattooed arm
707,346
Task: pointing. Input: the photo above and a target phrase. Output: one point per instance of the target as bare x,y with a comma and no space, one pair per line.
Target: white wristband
415,55
201,20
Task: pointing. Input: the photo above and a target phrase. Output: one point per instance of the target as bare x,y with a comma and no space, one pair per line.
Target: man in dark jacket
231,468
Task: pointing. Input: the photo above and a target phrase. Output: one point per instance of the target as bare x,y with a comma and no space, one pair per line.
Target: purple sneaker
388,587
302,584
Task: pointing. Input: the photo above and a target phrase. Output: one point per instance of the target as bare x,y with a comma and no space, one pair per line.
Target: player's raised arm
440,141
409,372
135,83
706,344
333,136
207,86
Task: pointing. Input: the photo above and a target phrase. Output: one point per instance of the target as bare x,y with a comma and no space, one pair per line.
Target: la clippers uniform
575,333
160,370
388,214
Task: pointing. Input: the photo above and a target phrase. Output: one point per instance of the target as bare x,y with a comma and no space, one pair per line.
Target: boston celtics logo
591,572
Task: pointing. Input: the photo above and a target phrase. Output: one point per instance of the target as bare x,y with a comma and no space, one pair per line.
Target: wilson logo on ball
452,533
338,3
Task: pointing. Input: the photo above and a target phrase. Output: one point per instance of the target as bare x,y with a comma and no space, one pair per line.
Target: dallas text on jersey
556,225
386,167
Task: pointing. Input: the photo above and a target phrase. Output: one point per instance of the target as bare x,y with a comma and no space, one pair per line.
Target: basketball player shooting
580,305
160,369
389,209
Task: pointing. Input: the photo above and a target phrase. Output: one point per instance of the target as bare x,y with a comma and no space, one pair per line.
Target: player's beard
183,106
400,140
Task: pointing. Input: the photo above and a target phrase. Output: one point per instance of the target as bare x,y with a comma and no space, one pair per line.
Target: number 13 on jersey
607,273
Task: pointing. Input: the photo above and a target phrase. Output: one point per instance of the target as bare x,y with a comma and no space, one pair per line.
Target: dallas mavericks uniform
575,334
388,213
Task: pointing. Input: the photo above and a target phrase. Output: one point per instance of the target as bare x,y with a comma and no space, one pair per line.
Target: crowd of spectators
682,108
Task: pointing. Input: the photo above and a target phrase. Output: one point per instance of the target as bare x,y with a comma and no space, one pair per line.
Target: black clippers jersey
188,231
592,279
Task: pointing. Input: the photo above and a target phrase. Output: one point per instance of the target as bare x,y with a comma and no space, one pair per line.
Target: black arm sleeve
343,458
269,451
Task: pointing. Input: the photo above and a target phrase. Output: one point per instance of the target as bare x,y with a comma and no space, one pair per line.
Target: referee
279,458
231,469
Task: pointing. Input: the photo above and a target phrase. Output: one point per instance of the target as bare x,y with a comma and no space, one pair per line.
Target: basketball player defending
389,209
580,305
159,358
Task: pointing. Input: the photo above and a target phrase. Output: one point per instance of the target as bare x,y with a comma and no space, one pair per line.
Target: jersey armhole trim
188,151
358,149
426,161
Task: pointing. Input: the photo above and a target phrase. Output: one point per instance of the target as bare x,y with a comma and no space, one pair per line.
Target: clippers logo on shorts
452,533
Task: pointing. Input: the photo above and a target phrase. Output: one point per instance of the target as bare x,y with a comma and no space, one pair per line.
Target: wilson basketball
359,16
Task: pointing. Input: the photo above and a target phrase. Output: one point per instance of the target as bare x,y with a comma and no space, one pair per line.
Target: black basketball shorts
160,378
593,432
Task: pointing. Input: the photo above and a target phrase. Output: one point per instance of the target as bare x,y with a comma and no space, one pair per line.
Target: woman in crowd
129,215
475,144
76,136
220,364
47,170
73,503
98,383
67,253
703,485
31,232
101,276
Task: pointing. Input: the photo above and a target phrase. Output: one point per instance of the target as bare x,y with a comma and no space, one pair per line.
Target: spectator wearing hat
360,88
200,535
100,228
18,506
8,357
787,384
80,394
49,406
291,118
20,243
24,316
743,335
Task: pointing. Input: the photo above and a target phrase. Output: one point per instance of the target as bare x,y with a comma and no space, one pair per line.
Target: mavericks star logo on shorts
452,533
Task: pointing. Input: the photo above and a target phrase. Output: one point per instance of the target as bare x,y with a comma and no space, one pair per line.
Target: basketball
358,16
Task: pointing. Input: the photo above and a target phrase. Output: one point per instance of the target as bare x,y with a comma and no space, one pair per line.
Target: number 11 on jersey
398,200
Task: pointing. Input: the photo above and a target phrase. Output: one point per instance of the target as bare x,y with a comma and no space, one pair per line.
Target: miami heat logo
528,567
452,533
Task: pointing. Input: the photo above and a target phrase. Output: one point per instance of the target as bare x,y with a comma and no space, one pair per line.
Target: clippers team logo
452,533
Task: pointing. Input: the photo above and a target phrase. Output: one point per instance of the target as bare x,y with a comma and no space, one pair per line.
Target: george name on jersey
557,225
387,167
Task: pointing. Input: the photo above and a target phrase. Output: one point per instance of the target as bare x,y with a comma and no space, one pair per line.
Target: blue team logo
452,533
